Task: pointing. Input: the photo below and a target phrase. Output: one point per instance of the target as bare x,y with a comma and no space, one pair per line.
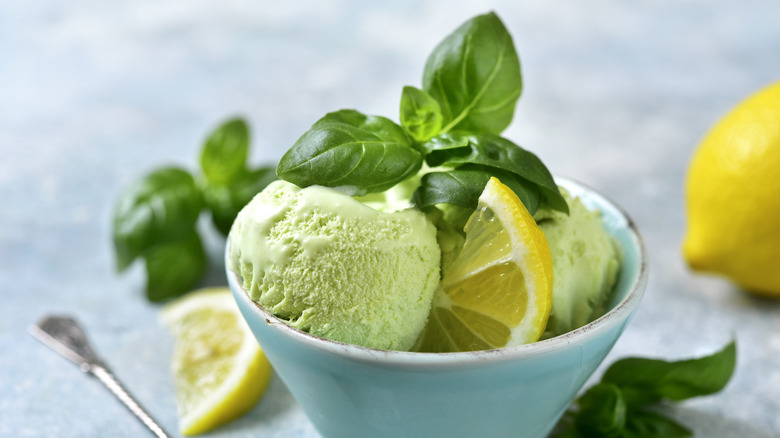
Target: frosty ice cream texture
585,265
337,268
334,267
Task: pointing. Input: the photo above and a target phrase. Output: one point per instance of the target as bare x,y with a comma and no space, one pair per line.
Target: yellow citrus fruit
733,196
498,291
219,370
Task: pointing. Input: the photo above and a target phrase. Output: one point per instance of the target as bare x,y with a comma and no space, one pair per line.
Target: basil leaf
361,154
648,424
567,427
445,141
224,154
420,114
225,201
602,411
161,207
499,153
647,381
464,185
474,74
174,268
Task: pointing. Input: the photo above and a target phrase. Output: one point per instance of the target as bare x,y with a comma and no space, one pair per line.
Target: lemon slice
219,370
498,291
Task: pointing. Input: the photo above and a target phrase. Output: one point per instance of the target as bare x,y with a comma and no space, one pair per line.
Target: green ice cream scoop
334,267
585,265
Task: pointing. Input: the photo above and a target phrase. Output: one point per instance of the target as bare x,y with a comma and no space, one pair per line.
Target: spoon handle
107,378
65,336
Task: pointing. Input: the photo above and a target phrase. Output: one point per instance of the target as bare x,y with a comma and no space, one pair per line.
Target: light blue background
93,94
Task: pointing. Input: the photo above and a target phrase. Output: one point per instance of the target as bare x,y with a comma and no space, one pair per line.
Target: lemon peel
732,196
498,291
219,370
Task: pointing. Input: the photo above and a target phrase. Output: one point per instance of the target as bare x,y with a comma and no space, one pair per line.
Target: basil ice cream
334,267
585,265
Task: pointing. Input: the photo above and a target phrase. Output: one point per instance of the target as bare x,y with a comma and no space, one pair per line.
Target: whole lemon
733,196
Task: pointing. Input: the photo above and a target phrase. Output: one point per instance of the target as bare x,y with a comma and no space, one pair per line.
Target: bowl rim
621,312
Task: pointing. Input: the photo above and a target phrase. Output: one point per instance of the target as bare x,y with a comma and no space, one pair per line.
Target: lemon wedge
498,291
219,370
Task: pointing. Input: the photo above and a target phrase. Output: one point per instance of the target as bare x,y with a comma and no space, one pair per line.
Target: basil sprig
621,405
160,208
155,218
471,84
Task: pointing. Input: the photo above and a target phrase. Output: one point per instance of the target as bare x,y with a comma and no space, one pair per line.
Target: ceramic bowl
350,391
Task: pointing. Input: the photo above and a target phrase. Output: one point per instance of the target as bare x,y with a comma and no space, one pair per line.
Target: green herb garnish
622,404
363,154
155,217
474,74
471,85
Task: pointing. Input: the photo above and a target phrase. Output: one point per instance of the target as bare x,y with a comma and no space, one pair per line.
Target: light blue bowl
350,391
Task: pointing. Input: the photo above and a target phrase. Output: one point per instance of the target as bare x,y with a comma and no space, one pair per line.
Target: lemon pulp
498,291
219,370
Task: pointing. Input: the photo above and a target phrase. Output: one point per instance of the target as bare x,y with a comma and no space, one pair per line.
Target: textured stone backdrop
94,93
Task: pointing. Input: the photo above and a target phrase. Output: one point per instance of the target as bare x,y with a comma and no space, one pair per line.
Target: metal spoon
64,335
